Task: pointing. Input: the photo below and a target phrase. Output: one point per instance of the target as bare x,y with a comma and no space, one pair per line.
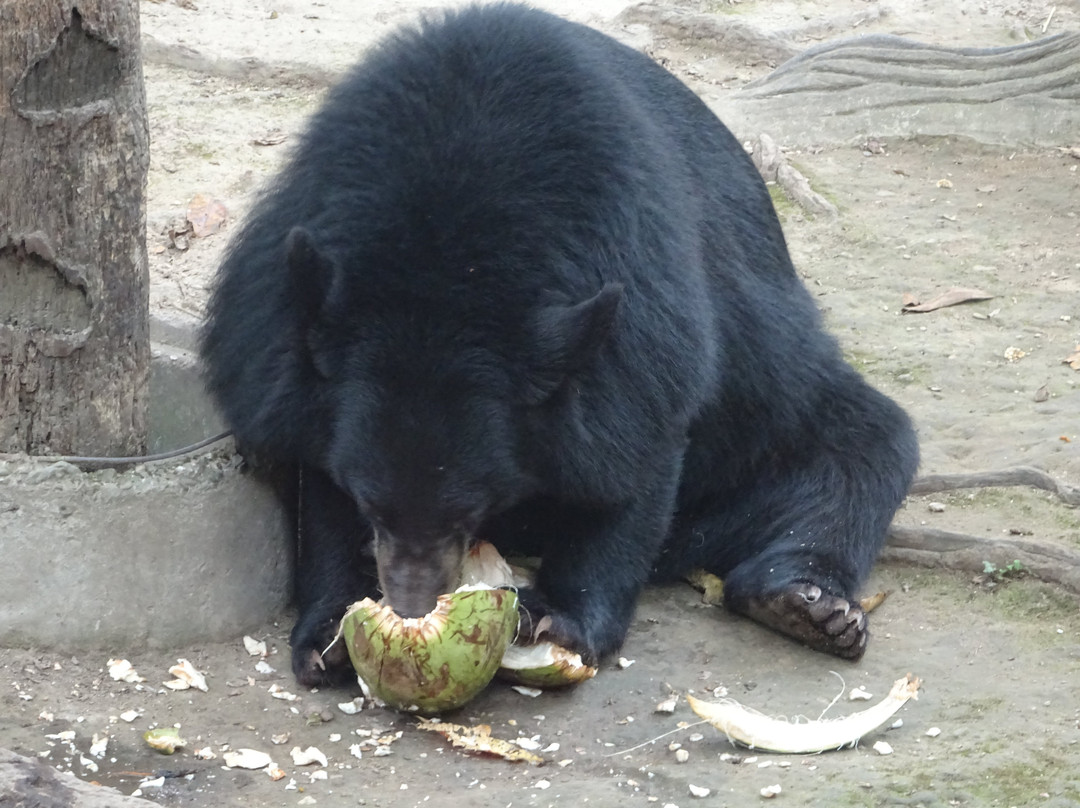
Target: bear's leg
794,543
334,568
595,562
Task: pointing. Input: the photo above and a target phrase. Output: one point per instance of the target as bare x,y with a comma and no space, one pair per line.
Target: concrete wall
162,554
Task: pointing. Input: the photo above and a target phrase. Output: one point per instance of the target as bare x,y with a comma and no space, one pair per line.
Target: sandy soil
985,382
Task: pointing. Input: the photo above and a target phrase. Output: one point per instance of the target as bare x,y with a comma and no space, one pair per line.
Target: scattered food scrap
164,739
247,759
871,602
710,586
186,677
757,731
121,671
478,740
668,704
304,757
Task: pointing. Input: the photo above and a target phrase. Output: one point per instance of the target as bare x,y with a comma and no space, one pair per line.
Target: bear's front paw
317,660
539,621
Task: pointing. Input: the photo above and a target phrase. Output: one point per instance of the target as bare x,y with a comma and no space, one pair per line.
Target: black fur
518,282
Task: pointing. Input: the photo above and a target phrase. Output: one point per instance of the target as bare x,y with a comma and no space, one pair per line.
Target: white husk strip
759,731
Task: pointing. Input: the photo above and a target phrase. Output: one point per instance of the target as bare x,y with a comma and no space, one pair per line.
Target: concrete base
161,555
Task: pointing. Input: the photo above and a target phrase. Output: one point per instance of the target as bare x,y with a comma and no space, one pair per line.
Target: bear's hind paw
822,621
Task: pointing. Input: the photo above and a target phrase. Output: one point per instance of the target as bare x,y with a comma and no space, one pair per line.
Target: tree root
930,547
1021,475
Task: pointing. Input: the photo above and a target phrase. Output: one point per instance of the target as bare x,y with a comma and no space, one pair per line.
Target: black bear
518,283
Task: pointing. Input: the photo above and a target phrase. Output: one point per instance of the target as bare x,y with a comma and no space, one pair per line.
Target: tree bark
74,151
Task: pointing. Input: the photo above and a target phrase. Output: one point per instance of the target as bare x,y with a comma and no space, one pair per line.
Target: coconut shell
544,665
433,663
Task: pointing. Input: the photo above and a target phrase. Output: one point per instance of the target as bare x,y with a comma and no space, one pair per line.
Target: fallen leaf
478,740
1073,360
952,297
207,216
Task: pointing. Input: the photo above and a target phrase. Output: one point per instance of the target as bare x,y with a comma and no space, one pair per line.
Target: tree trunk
74,150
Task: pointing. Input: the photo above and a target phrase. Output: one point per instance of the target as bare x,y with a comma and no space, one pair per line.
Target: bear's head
434,400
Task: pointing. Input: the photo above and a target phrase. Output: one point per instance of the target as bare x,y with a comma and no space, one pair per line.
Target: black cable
97,463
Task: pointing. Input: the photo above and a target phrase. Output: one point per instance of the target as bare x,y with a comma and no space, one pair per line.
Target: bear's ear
568,338
310,271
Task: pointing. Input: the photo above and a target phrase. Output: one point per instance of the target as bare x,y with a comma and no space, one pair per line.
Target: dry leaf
478,740
1073,360
952,297
206,216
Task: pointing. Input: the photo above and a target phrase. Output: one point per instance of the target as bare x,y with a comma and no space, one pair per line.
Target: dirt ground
999,654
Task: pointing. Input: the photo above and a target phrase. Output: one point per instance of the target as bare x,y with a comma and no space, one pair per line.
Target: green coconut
545,665
433,663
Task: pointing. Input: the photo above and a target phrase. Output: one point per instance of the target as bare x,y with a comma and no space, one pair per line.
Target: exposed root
1021,475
